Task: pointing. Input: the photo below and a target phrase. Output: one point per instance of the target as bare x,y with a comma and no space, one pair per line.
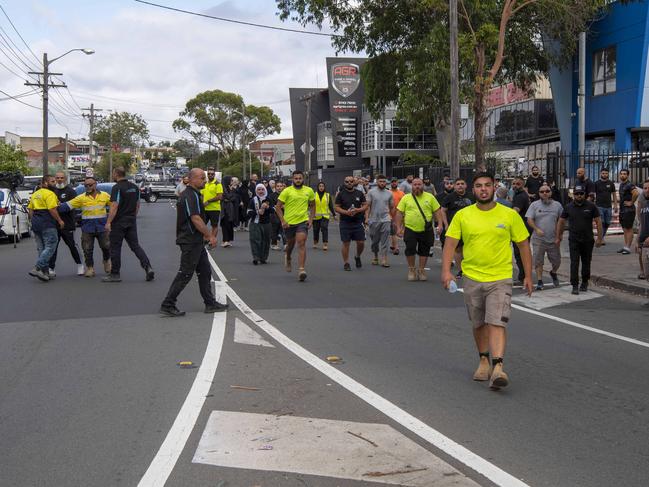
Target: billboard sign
345,78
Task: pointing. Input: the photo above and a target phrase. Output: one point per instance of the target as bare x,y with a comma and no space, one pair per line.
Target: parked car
14,218
156,191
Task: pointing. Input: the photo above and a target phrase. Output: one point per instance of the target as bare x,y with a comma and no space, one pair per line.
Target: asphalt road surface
91,393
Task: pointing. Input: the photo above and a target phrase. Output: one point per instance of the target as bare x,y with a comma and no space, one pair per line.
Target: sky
150,61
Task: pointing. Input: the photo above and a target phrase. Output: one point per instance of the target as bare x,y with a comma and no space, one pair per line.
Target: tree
407,42
187,148
102,168
221,120
12,159
129,129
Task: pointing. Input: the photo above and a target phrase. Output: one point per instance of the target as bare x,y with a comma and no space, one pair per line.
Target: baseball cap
579,189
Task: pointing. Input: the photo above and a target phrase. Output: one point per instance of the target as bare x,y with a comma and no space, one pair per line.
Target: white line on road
418,427
171,448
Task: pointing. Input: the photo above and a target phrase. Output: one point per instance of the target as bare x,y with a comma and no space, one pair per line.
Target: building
274,154
33,148
343,137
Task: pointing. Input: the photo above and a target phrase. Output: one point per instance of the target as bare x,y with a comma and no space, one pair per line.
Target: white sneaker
81,270
51,273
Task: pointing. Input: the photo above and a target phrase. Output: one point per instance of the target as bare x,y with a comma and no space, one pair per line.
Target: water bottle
452,287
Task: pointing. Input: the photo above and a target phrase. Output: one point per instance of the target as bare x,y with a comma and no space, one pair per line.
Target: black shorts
293,230
213,217
351,231
442,239
626,219
418,242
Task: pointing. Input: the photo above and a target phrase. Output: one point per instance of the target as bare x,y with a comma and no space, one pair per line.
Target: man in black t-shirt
121,223
451,204
350,204
586,183
520,204
191,234
533,184
64,192
628,196
605,199
643,232
580,214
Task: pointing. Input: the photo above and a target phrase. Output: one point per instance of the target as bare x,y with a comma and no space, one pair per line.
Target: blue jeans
46,243
607,216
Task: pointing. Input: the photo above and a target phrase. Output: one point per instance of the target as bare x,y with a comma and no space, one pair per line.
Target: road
91,393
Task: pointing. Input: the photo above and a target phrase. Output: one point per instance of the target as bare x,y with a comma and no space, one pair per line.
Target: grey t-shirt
380,201
545,217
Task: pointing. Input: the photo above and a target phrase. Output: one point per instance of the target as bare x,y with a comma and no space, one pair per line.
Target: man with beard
191,235
276,232
406,184
397,194
351,205
488,230
379,218
64,192
453,203
212,196
605,199
586,183
533,183
580,214
520,204
295,209
429,187
628,196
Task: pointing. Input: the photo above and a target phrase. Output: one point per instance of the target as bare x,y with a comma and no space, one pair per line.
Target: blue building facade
617,84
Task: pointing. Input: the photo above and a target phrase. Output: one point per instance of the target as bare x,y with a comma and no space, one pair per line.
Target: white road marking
550,297
418,427
171,448
325,447
246,335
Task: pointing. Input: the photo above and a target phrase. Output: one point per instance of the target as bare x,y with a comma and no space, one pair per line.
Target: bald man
191,235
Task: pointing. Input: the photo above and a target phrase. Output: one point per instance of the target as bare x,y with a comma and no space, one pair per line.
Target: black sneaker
347,267
255,262
575,290
112,278
171,311
215,308
359,264
583,287
458,275
625,252
539,286
555,279
150,275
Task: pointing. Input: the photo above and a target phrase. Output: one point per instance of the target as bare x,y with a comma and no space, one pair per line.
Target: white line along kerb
421,429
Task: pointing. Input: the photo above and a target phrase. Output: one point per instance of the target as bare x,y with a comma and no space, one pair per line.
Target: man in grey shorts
488,230
542,217
381,205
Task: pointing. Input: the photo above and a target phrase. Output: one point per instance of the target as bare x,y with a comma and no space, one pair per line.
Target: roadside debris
394,472
363,438
245,388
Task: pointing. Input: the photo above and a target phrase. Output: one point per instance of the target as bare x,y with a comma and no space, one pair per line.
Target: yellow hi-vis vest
322,206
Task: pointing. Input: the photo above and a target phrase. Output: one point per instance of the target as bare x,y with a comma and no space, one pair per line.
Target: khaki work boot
325,246
498,378
483,371
90,272
421,274
107,266
412,275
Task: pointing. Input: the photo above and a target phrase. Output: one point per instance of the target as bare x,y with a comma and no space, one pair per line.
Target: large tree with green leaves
223,121
129,130
12,159
407,42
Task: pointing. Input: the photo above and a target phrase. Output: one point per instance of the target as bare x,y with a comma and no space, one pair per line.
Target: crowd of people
483,226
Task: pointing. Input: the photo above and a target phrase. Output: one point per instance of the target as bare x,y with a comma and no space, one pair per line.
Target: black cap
579,189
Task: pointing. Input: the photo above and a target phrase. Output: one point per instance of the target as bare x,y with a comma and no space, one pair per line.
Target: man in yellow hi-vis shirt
212,196
487,230
45,217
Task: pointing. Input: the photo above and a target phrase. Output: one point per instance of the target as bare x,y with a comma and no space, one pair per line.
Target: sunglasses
544,191
579,193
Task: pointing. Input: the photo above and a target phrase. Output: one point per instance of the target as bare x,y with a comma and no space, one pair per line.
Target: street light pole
454,155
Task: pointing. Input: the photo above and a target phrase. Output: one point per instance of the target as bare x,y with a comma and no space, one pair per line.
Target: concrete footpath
610,269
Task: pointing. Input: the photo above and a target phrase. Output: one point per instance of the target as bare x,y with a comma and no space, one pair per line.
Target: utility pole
581,100
45,84
67,154
455,92
307,142
91,119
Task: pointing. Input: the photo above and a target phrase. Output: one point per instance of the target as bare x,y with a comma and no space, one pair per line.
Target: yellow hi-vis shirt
211,190
487,238
93,211
43,199
412,216
322,206
296,203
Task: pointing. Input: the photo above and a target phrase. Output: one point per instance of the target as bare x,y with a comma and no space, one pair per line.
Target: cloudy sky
151,61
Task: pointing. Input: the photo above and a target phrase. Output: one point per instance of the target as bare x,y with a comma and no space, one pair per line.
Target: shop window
604,71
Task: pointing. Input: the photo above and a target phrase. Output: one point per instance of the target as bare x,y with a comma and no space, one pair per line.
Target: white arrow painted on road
246,335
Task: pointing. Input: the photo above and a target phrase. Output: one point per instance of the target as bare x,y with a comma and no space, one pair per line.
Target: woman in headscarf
259,211
324,207
229,210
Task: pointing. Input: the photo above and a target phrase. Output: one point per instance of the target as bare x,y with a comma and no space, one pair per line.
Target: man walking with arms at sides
45,224
533,183
605,199
542,217
406,184
64,192
122,225
520,204
212,196
488,230
324,208
276,232
351,206
379,217
397,194
191,235
628,196
643,232
580,215
295,209
93,205
414,221
451,204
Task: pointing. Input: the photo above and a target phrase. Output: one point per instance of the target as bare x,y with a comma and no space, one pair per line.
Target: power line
241,22
122,100
38,61
6,40
16,99
21,95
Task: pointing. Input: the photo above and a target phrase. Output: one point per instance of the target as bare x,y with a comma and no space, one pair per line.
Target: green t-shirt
487,238
412,216
210,191
296,203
